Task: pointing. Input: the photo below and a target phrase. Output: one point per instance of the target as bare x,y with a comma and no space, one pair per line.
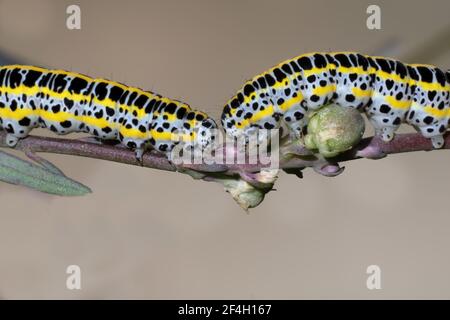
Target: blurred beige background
151,234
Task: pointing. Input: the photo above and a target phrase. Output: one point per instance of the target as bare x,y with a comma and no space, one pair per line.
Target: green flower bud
248,195
334,129
244,194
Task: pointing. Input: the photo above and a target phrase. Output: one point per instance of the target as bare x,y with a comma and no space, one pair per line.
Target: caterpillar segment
388,91
66,102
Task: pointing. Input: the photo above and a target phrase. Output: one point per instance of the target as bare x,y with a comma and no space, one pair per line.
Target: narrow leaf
44,163
17,171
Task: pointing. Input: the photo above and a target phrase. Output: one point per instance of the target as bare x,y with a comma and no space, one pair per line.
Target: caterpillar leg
296,121
16,130
428,112
434,133
296,129
385,119
385,127
388,133
139,153
429,126
11,140
163,146
438,141
14,133
138,145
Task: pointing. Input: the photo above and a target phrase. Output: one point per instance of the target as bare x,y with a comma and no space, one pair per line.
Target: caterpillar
388,91
68,102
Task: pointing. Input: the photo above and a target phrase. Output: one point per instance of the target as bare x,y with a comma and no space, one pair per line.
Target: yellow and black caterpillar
389,91
67,102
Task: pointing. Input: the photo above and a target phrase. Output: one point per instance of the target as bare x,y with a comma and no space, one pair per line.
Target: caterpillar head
200,131
205,132
233,116
228,125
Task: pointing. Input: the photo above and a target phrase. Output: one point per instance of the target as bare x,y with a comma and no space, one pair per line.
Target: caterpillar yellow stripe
388,91
68,102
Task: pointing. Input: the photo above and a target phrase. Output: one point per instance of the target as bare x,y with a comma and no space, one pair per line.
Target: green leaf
46,179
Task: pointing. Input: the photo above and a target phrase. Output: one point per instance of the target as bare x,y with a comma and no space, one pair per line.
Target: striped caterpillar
68,102
388,91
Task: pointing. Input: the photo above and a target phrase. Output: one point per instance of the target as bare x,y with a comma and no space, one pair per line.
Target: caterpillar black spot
388,91
68,102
